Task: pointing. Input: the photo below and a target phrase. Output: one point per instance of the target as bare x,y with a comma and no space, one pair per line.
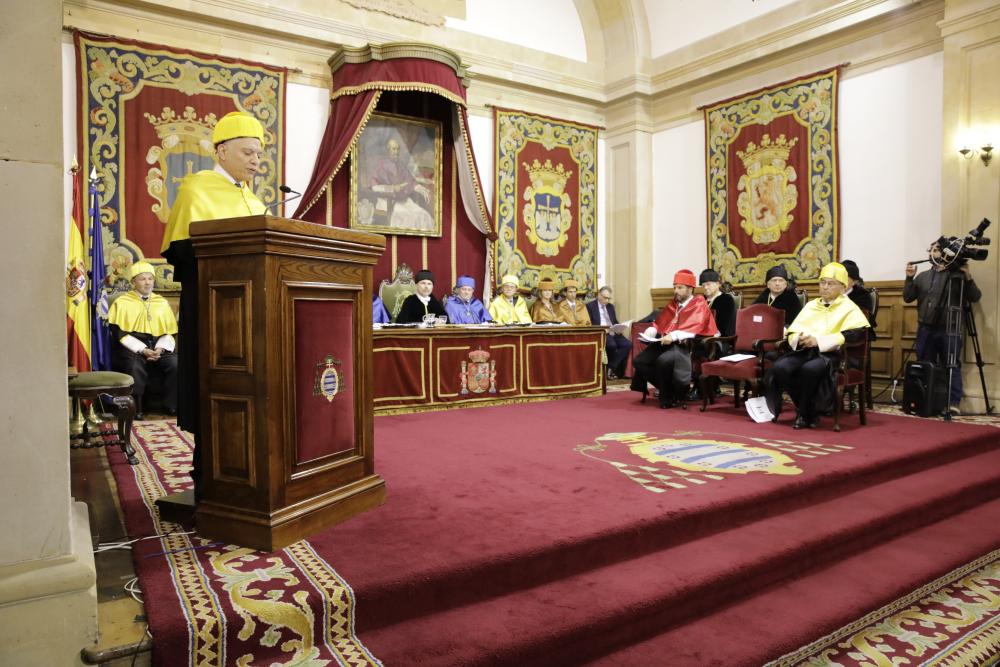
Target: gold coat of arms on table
478,374
327,382
546,210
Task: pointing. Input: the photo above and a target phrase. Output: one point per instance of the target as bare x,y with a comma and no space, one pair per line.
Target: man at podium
210,194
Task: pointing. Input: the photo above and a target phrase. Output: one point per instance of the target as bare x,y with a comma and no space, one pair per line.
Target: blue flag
100,339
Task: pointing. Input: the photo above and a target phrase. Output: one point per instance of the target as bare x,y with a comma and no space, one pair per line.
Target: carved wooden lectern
286,378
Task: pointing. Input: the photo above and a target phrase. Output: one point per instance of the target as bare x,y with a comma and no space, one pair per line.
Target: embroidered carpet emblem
659,461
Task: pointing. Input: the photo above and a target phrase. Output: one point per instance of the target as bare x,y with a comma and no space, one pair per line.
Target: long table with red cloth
452,366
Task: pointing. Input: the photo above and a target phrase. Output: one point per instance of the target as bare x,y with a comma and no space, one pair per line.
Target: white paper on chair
758,410
737,357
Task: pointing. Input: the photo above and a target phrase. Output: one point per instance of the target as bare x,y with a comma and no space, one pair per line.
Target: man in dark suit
602,313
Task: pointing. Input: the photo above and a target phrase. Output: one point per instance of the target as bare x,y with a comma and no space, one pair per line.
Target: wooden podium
285,331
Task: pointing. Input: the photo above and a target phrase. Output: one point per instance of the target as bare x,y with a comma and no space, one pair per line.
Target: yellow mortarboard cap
236,124
835,271
140,267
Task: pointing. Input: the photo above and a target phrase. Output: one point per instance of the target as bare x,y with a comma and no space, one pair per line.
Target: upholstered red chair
758,327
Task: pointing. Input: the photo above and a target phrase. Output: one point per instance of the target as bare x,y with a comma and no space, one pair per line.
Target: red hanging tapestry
146,114
772,170
546,199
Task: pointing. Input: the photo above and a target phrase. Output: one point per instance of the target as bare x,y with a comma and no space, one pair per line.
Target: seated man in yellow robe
509,307
142,328
210,194
571,310
823,326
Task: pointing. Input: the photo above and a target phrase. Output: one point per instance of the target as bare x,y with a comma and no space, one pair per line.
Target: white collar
424,299
220,170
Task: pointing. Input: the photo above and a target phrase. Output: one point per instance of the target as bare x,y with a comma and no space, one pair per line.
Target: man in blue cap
463,307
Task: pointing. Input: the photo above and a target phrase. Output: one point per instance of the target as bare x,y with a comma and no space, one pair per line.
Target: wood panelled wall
896,329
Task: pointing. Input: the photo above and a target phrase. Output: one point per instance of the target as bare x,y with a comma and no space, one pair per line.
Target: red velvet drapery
420,88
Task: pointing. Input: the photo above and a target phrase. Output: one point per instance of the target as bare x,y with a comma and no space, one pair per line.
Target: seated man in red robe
666,361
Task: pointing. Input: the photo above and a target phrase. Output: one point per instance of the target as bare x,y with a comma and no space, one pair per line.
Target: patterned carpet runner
951,622
216,604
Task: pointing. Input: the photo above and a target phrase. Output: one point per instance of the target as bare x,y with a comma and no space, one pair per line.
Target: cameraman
930,289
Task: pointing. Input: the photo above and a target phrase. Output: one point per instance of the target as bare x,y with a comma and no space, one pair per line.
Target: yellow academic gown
503,312
152,316
205,195
827,322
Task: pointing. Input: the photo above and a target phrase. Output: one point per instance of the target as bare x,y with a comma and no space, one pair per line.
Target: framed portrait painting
396,177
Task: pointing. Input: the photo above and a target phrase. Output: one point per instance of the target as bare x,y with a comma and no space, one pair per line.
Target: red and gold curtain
773,180
146,114
419,88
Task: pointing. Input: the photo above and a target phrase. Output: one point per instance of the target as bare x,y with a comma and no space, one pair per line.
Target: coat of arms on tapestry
146,116
772,180
546,199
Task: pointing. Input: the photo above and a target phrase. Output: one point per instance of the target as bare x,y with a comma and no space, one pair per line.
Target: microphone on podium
286,190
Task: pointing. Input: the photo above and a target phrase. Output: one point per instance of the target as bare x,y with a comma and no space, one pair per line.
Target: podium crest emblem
546,211
478,374
327,382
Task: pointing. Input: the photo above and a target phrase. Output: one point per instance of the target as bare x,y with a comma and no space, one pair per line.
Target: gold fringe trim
475,174
392,85
890,609
347,153
485,404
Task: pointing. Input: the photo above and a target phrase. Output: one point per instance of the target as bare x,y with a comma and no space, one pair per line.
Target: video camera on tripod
926,391
958,250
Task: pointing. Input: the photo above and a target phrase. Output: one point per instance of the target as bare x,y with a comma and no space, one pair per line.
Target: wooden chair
393,293
94,386
868,367
757,328
852,371
803,297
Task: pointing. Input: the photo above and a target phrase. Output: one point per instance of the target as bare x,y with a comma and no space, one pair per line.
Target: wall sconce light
985,153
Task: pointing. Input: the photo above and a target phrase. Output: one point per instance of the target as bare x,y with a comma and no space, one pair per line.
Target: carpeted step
527,530
581,615
785,617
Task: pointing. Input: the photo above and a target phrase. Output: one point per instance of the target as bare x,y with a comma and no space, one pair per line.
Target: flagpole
100,351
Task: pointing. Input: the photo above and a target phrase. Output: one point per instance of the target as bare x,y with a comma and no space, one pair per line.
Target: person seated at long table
823,326
545,310
379,314
509,307
462,306
416,306
570,310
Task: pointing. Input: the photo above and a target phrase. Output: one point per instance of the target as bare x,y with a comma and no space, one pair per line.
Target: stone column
970,190
629,202
48,603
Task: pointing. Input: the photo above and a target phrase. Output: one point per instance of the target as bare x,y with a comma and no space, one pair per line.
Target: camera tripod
957,315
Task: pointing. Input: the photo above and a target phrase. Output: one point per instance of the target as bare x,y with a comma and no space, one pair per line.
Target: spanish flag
77,303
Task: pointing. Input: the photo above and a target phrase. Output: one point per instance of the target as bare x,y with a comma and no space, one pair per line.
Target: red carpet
545,534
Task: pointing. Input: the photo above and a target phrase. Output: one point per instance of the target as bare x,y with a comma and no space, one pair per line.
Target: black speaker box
925,389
